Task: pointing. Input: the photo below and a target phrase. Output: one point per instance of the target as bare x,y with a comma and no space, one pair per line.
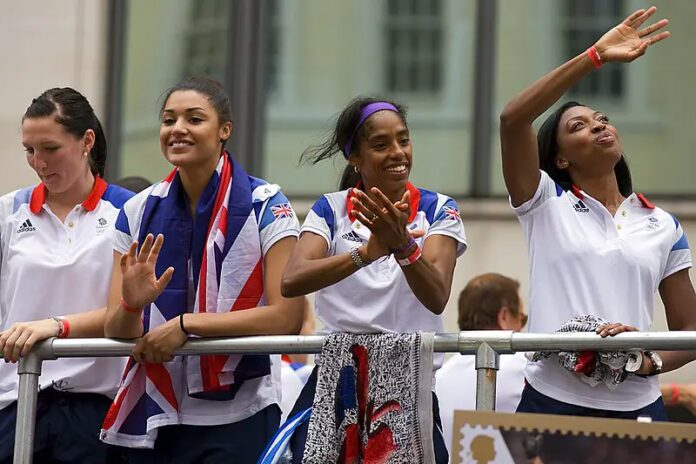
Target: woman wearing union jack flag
380,253
199,254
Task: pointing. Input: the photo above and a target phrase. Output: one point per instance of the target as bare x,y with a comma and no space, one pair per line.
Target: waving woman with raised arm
596,247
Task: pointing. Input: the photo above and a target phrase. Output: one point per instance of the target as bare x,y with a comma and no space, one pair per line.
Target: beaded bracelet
359,263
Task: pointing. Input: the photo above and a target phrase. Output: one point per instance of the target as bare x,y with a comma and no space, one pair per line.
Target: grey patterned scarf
373,400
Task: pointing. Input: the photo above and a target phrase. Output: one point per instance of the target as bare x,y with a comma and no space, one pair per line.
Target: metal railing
485,345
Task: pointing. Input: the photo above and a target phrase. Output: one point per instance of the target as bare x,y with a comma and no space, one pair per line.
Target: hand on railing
613,329
16,341
159,344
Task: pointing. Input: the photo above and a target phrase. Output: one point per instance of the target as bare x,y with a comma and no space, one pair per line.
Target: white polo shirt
456,387
276,220
378,298
49,268
584,261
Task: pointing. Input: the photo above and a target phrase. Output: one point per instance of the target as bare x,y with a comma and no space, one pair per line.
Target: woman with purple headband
379,238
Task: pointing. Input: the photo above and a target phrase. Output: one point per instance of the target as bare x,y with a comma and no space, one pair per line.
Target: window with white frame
205,39
414,46
586,21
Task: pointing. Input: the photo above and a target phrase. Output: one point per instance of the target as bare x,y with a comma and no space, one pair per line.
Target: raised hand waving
626,41
140,285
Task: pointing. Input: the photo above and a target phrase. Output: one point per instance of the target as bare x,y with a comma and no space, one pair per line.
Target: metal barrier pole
487,365
487,345
29,370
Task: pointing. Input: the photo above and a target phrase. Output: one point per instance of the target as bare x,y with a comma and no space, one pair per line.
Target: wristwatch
656,362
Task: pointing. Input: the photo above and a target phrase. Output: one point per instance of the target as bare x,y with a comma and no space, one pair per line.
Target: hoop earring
356,169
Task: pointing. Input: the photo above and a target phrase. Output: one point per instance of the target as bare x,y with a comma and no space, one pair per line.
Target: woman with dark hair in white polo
596,247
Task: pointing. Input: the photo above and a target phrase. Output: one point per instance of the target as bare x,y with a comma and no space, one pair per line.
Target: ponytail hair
72,110
339,137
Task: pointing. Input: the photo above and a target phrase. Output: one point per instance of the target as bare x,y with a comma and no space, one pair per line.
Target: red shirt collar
38,196
644,201
414,200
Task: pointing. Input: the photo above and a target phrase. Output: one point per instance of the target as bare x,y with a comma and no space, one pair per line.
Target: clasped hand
386,221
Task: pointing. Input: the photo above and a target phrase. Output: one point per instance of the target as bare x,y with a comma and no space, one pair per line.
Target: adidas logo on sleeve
26,226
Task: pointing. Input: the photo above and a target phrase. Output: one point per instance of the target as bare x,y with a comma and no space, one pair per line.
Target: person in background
55,239
135,184
295,368
302,363
680,400
488,302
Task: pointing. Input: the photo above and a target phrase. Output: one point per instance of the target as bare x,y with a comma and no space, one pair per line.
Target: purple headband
366,112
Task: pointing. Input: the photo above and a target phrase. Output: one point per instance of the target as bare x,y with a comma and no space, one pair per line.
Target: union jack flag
282,211
452,213
230,278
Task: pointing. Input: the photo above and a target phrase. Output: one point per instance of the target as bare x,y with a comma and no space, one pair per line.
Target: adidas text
26,226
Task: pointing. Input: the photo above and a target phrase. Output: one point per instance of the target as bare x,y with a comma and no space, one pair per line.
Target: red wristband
593,54
64,329
675,393
412,258
129,308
